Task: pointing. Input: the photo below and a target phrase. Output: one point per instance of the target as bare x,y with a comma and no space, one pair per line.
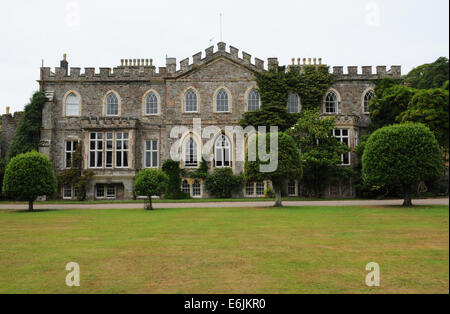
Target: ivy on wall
310,83
76,176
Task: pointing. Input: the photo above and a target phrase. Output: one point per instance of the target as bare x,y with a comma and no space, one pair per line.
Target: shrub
222,183
172,169
269,193
150,182
401,156
28,176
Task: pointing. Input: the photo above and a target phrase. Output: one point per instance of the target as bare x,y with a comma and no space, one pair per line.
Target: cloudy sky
98,33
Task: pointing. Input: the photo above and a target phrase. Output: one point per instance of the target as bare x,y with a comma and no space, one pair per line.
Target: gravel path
438,201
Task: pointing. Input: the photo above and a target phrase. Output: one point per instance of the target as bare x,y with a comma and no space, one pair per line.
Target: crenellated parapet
366,72
139,69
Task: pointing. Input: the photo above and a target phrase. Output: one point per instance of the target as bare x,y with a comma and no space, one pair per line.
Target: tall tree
288,162
432,75
392,99
27,134
430,107
150,182
320,152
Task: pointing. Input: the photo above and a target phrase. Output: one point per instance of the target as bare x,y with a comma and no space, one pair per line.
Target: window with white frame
293,105
100,193
222,101
151,154
96,150
331,103
110,191
112,105
191,159
260,187
122,149
185,187
190,101
105,191
250,188
109,150
253,100
292,188
151,104
343,135
367,98
71,147
73,105
67,191
196,189
222,151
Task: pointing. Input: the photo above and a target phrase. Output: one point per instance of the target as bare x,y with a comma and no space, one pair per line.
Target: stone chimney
65,65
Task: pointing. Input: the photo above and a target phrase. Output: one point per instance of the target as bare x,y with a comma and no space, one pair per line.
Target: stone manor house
123,117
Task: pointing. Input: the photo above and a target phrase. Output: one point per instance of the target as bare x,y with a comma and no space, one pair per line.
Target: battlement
366,72
139,69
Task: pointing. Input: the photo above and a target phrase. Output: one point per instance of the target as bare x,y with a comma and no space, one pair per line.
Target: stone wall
8,128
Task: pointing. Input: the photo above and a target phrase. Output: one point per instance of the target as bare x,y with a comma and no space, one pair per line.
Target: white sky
344,32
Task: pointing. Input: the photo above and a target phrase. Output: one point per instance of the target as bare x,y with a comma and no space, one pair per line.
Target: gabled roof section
211,56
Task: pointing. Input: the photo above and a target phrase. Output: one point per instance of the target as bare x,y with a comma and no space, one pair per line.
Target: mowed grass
221,250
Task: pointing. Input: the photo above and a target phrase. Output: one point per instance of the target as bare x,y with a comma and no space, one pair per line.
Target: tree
289,165
223,183
150,182
401,155
430,107
172,169
392,99
428,76
28,176
274,87
27,135
321,152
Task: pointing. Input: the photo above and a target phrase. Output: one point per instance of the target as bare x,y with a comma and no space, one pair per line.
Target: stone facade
134,80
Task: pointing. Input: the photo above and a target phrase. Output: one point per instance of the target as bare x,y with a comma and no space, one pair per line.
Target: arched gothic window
222,101
331,103
222,151
151,104
73,105
112,105
190,101
191,158
253,100
293,105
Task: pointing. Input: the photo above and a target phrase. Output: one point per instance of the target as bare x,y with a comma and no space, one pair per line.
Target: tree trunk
30,206
278,201
407,200
150,204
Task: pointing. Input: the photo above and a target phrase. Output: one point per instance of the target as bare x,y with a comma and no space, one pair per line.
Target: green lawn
290,250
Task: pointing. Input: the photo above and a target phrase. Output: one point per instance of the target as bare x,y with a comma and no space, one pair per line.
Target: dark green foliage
28,176
76,176
2,173
430,107
392,99
321,152
200,173
427,76
150,182
223,183
289,163
275,87
27,135
172,169
401,156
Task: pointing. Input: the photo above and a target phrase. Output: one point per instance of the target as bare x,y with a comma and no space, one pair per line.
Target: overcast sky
98,33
